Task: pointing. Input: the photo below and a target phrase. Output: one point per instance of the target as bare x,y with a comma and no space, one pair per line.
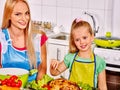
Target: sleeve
43,39
68,59
101,64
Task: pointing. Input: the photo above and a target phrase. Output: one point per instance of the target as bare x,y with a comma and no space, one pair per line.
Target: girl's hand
54,67
57,67
54,64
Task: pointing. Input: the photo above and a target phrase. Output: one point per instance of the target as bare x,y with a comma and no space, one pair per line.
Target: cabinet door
56,52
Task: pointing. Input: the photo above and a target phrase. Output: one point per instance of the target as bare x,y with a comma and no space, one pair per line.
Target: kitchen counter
60,39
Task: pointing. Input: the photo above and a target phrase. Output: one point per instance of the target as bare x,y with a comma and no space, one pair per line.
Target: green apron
83,71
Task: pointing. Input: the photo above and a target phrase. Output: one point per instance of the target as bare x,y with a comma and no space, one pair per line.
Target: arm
43,66
102,81
57,67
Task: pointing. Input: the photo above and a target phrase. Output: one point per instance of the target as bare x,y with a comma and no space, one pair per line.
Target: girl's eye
84,37
27,13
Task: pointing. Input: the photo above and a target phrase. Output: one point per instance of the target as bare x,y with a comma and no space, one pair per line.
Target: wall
1,6
116,19
62,12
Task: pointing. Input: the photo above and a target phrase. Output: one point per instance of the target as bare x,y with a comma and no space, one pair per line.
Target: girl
20,45
83,64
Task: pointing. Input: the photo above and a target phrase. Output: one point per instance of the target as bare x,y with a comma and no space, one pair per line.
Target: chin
22,28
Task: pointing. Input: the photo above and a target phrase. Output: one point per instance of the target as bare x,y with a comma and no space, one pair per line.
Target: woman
20,45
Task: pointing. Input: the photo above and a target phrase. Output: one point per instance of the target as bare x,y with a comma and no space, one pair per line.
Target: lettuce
46,78
38,86
84,86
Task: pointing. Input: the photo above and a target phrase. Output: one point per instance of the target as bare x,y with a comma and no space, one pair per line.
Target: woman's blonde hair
9,5
77,23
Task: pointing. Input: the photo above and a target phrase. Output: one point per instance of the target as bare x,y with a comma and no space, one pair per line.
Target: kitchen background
62,12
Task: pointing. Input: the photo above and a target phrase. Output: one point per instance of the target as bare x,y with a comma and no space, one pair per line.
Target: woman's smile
23,23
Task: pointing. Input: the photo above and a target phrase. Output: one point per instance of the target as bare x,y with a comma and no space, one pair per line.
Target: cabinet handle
58,54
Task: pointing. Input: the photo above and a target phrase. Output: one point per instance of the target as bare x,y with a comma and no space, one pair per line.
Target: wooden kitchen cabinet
56,51
113,80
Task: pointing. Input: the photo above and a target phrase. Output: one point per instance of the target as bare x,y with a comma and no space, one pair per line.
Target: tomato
8,84
14,77
4,82
18,83
47,86
13,81
10,80
0,81
13,84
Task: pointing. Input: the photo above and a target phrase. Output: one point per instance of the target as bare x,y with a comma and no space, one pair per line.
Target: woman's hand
40,74
0,66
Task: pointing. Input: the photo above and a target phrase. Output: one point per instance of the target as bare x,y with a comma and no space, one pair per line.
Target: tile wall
63,12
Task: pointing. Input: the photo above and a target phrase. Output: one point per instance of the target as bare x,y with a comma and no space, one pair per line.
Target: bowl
22,74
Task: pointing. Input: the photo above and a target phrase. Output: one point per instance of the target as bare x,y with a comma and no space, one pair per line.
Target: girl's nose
81,41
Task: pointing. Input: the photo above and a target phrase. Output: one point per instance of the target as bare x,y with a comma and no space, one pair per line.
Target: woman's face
20,16
82,38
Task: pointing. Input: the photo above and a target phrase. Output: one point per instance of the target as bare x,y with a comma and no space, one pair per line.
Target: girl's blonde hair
77,23
9,5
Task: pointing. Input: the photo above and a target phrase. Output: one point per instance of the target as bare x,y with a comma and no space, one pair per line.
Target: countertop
53,40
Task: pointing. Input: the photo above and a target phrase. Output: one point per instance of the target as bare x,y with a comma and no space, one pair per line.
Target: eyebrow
19,11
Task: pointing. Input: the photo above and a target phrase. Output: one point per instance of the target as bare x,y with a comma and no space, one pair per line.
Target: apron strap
94,68
73,59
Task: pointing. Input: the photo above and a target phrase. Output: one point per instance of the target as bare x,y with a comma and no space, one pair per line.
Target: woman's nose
24,17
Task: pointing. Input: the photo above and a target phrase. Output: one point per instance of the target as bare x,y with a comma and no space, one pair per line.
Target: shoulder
70,55
68,59
43,39
43,36
41,33
99,59
3,34
3,31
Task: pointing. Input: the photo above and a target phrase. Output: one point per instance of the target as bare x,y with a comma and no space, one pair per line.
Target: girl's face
20,16
82,38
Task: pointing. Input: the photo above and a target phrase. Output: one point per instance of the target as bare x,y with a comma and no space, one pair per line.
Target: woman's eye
76,39
17,14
